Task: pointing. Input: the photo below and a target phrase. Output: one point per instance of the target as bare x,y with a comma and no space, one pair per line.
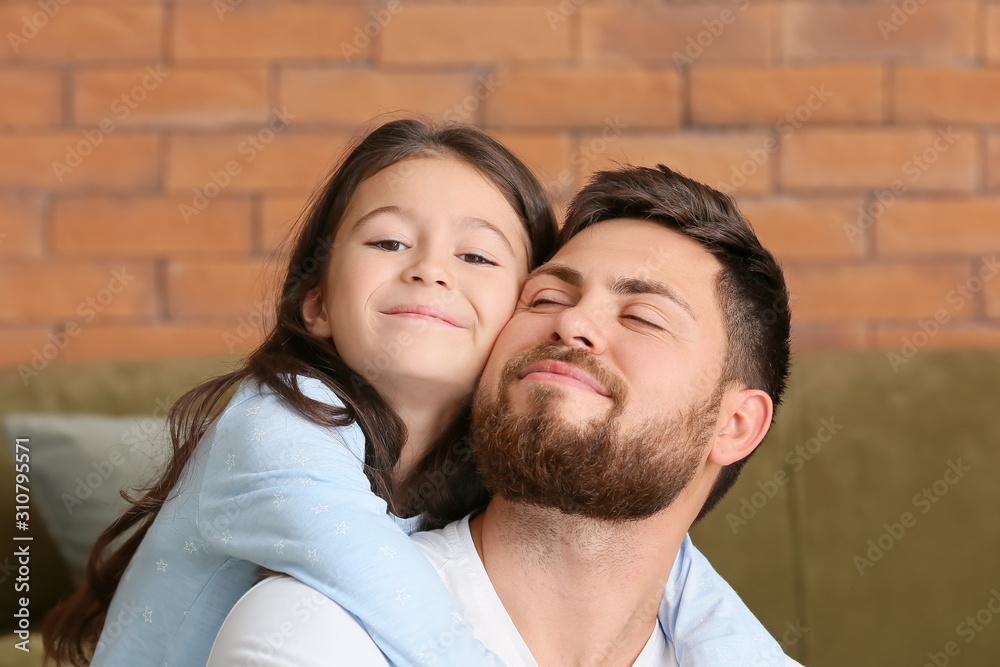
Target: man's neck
579,591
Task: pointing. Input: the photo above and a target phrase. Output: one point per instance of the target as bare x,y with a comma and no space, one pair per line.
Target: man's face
602,392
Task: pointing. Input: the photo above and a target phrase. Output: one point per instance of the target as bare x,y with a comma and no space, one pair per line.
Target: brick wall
861,138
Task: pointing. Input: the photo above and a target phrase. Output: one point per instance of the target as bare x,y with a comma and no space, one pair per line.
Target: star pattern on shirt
298,458
258,433
341,528
386,551
308,481
758,637
231,460
190,547
279,547
723,654
148,615
254,410
456,618
311,556
161,566
401,595
320,507
705,583
226,536
279,498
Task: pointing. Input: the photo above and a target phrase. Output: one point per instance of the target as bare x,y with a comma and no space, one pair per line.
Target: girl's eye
387,245
473,258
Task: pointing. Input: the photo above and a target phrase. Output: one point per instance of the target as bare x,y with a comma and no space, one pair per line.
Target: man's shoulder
446,544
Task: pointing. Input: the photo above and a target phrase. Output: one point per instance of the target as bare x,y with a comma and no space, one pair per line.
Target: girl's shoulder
252,391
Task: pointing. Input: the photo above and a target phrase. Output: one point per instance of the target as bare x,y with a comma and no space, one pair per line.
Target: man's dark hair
750,287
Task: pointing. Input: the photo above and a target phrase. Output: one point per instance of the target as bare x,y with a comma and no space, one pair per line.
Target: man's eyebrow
560,272
628,286
479,223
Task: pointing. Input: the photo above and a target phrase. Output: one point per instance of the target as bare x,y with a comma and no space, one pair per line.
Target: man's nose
581,325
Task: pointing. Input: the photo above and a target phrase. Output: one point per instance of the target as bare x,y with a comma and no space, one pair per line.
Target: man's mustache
577,356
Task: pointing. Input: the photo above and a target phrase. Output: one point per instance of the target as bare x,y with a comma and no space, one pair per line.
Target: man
641,368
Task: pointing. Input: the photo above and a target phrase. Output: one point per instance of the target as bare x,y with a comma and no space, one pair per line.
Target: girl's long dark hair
445,484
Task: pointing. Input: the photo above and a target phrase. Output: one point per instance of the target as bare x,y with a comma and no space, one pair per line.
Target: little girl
347,426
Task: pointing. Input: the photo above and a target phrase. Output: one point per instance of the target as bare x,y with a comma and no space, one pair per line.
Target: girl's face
426,269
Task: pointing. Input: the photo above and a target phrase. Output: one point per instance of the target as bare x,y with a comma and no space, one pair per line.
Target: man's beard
595,470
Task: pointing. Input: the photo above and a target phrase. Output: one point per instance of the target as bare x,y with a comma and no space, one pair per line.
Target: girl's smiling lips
563,373
422,312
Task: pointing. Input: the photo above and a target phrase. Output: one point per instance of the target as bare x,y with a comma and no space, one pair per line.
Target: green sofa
860,532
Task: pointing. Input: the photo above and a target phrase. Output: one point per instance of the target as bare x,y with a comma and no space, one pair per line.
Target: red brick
892,336
839,158
881,291
163,95
805,229
813,336
680,35
20,228
547,155
159,341
561,97
935,32
290,162
303,30
788,97
947,95
78,291
710,158
278,217
99,226
993,32
117,162
993,161
936,227
17,346
219,289
82,32
353,97
456,34
30,97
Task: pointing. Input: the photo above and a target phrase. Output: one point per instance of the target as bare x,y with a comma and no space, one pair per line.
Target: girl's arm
284,493
706,620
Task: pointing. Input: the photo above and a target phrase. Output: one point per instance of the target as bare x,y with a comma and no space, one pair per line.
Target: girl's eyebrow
479,223
360,222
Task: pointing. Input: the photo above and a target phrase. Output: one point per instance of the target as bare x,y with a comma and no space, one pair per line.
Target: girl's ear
750,412
314,314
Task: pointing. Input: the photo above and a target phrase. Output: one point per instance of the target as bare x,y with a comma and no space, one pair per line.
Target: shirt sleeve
706,620
291,496
281,622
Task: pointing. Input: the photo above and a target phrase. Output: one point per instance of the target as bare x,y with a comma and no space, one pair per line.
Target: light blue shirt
266,487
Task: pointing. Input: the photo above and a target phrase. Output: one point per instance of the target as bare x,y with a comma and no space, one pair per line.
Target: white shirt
281,622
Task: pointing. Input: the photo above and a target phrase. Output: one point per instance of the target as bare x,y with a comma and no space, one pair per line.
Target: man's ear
749,414
314,314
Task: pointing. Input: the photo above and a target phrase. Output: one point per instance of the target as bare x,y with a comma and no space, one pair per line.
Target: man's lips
563,373
421,312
